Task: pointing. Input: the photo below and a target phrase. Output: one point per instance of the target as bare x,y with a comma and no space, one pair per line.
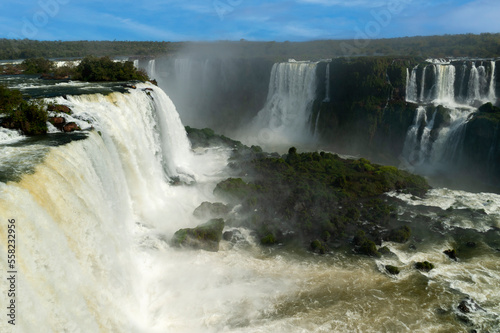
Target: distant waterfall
327,84
411,85
492,88
462,83
151,68
286,115
136,63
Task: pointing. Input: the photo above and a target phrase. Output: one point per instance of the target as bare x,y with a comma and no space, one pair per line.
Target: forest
485,45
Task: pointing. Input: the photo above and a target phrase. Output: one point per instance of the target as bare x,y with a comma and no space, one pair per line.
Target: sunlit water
94,216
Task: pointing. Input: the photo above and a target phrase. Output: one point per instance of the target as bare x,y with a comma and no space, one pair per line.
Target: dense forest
485,45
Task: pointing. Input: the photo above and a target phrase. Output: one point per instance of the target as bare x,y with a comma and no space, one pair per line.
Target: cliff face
367,113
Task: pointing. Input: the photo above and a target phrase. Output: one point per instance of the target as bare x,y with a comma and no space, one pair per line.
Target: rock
452,253
147,89
204,237
233,236
424,266
127,85
154,82
392,269
211,210
70,127
463,307
268,240
384,250
59,108
58,122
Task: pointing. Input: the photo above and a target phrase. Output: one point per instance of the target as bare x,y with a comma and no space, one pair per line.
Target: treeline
90,68
485,45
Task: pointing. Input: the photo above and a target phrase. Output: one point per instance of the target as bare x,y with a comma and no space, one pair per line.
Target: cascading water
445,84
411,85
286,115
327,83
492,88
151,68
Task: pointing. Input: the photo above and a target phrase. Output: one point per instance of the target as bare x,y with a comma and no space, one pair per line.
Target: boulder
393,270
211,210
204,237
424,266
59,108
452,253
58,122
70,127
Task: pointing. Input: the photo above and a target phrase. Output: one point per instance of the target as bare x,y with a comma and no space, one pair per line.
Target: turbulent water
93,217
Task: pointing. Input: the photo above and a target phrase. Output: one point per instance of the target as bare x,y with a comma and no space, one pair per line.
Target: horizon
235,20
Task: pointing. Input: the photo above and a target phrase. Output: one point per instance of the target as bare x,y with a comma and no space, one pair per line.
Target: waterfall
473,92
492,88
411,149
146,121
287,112
445,84
411,85
76,215
151,68
422,85
327,84
136,63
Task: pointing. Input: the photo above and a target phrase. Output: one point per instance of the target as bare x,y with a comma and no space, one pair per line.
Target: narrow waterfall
151,68
327,84
492,96
473,91
411,85
286,116
422,85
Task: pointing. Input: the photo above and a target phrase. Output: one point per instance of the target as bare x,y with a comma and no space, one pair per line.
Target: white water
445,84
411,85
285,118
492,88
151,68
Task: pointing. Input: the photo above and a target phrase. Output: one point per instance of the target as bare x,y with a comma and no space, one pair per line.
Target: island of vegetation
316,200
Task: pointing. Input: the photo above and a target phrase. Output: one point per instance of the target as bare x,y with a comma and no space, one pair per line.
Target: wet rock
452,253
206,236
59,108
424,266
233,236
154,82
70,127
58,122
392,269
318,247
463,307
127,85
211,210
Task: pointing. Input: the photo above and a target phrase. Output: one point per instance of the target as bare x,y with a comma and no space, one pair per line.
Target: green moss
424,266
205,236
392,269
268,240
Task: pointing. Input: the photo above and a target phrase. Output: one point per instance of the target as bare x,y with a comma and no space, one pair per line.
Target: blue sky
280,20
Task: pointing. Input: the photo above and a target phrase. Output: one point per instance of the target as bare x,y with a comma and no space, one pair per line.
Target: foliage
424,266
104,69
30,117
205,236
392,269
37,66
484,45
314,196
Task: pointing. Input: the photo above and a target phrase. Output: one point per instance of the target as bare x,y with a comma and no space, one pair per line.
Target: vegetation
424,266
318,199
104,69
466,45
392,269
28,116
205,236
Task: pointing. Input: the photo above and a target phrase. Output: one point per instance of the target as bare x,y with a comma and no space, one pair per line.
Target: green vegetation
90,69
392,269
319,198
424,266
28,116
205,236
104,69
466,45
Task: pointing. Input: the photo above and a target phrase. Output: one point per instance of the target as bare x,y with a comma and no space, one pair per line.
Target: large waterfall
459,87
286,116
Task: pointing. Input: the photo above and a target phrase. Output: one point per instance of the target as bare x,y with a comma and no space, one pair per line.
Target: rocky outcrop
58,122
59,108
211,210
204,237
71,127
